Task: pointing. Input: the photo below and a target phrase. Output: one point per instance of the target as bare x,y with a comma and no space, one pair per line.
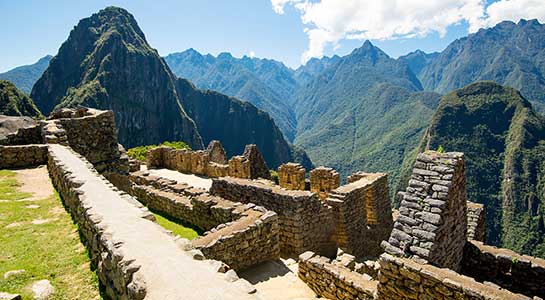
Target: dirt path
278,280
35,181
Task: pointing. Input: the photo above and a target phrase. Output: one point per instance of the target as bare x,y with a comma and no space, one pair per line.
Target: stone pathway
169,272
190,179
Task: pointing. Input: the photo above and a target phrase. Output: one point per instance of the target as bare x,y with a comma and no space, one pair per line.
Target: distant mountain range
24,77
267,84
508,53
106,63
363,111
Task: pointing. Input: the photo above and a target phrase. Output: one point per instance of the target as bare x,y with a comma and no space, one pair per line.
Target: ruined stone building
344,238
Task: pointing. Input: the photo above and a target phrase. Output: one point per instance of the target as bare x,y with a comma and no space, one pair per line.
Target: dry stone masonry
432,226
323,180
508,269
210,162
21,156
240,235
404,278
333,280
134,257
291,176
306,223
476,221
363,214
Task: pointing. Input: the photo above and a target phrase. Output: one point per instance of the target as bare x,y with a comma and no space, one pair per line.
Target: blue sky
33,29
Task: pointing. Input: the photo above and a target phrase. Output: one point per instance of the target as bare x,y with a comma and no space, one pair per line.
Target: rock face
266,83
106,63
24,77
236,123
15,103
503,139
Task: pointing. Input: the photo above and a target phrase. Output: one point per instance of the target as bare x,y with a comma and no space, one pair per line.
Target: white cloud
330,21
514,10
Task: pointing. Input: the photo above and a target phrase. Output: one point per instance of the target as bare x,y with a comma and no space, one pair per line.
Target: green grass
50,251
177,227
139,153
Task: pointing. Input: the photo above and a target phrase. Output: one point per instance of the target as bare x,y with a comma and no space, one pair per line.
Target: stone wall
291,176
306,222
476,221
211,162
518,273
115,272
241,235
89,132
22,156
363,214
403,278
248,241
432,225
334,281
323,180
134,257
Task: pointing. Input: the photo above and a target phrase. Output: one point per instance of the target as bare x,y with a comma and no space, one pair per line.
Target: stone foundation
22,156
432,226
334,281
476,222
306,223
403,278
363,214
518,273
134,257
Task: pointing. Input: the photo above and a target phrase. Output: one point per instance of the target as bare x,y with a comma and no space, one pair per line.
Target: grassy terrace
178,227
39,237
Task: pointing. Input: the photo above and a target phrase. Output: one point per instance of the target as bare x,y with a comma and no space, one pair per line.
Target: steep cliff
508,53
237,123
266,83
106,63
13,102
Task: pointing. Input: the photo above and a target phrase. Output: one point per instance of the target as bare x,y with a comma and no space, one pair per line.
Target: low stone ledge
403,278
22,156
506,268
248,241
333,280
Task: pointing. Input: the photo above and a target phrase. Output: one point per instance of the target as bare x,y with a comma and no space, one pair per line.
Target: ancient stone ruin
343,238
